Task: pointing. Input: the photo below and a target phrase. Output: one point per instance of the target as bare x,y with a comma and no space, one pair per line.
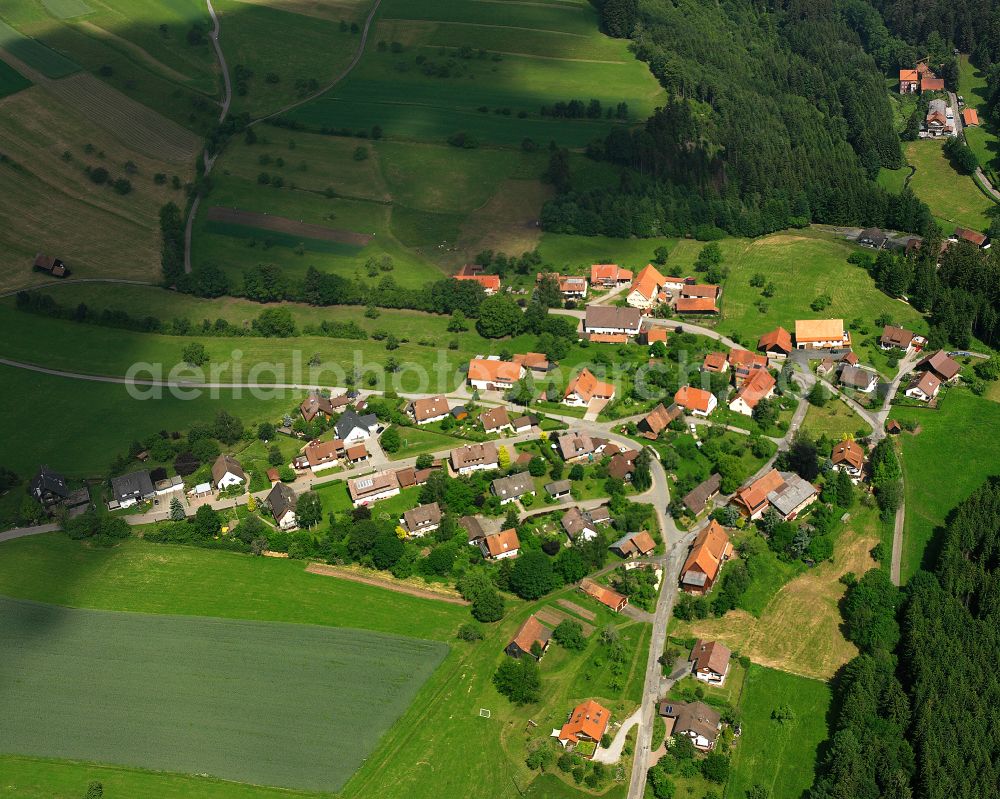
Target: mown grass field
35,54
187,683
781,757
952,197
950,456
982,139
802,264
835,420
535,55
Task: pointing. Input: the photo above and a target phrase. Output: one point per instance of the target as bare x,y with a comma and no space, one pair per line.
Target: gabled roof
655,333
588,720
622,464
927,383
971,236
941,364
612,317
492,371
640,543
532,360
281,499
513,485
46,480
495,418
648,282
896,337
696,499
696,305
356,452
602,594
807,330
907,75
792,492
475,455
488,282
371,484
754,494
932,84
970,116
133,483
756,387
849,452
710,656
559,487
586,386
531,632
575,521
778,339
657,420
422,516
856,377
502,542
574,445
693,717
430,407
227,463
350,419
711,546
700,290
603,272
746,360
695,399
715,362
318,452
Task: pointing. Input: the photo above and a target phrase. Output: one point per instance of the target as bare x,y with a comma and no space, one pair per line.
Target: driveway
614,752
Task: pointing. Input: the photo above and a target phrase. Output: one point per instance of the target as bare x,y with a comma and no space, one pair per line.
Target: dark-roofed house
226,472
422,519
531,638
859,379
941,365
351,426
48,487
322,455
696,720
696,500
612,319
316,404
513,486
281,500
657,420
872,237
634,545
523,424
578,524
710,662
132,488
475,458
50,265
474,527
495,419
793,496
896,338
622,465
559,488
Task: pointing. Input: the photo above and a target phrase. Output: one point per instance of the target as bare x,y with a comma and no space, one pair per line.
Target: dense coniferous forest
919,709
777,117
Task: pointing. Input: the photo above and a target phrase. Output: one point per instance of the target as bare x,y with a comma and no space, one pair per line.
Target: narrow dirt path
399,588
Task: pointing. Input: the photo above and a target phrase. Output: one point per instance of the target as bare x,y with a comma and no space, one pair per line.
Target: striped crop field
289,705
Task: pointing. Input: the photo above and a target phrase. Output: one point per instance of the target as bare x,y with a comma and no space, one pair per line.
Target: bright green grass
35,54
392,91
982,139
576,254
781,757
951,196
768,575
417,441
943,464
278,239
66,9
893,180
835,420
185,682
802,264
51,568
11,80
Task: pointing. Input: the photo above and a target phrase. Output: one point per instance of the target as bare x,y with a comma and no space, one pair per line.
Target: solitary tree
176,510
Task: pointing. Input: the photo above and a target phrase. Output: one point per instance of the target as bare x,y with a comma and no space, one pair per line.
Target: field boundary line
327,570
535,55
487,25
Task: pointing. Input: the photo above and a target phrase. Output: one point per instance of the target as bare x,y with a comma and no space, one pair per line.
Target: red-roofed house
588,722
696,305
745,363
490,283
931,85
487,374
585,387
696,401
609,275
645,291
498,546
532,632
759,386
715,362
970,117
908,81
607,597
777,343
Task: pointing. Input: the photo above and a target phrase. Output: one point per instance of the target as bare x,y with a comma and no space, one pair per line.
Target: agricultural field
486,69
781,756
952,452
954,199
184,683
11,81
101,233
799,629
802,264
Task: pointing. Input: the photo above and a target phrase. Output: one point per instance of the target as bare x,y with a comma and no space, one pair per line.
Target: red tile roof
778,339
588,721
695,399
696,305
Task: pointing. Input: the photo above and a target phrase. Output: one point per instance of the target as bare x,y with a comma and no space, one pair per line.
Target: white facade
915,392
227,480
376,496
711,677
636,300
359,433
288,521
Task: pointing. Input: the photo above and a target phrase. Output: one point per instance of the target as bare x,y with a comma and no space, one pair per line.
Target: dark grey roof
47,481
136,484
281,499
513,485
695,500
558,486
612,317
351,419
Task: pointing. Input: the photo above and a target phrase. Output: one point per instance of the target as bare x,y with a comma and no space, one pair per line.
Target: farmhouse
585,387
792,497
611,319
588,722
696,720
634,545
695,401
872,237
909,82
351,426
50,265
513,486
645,290
657,420
428,410
532,638
475,458
696,499
715,363
848,456
575,446
609,275
495,419
710,662
322,455
281,500
924,388
131,488
226,472
492,374
490,283
372,487
498,546
745,363
534,361
422,519
759,386
896,338
821,334
558,489
859,379
711,548
941,366
777,344
607,597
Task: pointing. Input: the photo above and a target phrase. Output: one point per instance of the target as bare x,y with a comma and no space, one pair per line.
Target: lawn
834,420
779,756
893,180
802,264
417,441
11,80
952,197
951,455
982,139
185,683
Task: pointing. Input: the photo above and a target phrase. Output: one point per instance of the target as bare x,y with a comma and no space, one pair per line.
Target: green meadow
35,54
11,80
953,198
